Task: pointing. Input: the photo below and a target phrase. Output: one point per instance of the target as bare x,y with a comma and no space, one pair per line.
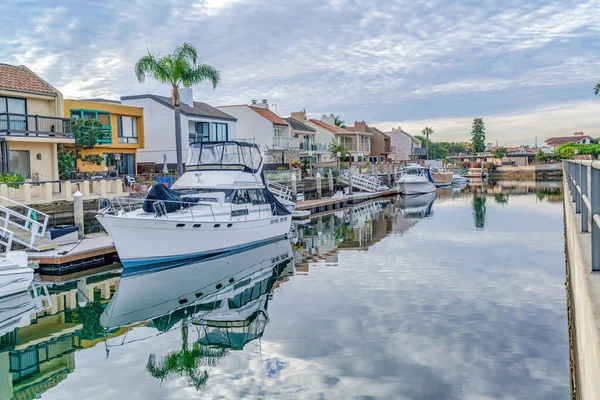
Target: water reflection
386,287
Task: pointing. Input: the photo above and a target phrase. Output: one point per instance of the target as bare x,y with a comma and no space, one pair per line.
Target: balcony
281,142
316,147
12,124
418,151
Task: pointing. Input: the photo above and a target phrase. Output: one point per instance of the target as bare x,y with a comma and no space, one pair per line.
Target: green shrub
14,177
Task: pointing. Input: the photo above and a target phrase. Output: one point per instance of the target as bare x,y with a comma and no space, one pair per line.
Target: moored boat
415,179
220,204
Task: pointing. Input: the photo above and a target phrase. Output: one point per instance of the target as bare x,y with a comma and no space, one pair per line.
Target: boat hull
459,180
15,280
140,242
408,188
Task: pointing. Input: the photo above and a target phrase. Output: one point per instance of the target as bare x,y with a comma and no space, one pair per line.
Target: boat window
257,196
225,155
238,213
241,196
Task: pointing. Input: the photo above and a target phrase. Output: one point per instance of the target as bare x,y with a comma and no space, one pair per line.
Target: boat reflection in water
222,299
417,206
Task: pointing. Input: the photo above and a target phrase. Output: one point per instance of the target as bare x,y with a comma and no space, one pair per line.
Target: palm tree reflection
479,210
187,362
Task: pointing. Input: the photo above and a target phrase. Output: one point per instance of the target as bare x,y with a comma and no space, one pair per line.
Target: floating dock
310,208
94,250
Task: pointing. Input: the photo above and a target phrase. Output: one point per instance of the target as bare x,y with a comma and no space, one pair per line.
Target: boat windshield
224,155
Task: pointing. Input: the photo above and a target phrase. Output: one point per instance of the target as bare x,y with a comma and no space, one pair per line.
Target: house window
19,163
200,133
128,129
219,133
14,106
277,132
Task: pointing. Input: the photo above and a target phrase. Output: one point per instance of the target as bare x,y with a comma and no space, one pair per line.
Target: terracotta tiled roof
555,141
21,79
269,115
334,129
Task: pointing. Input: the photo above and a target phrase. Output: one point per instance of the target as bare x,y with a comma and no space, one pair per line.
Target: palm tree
597,90
338,121
479,210
186,362
427,131
179,68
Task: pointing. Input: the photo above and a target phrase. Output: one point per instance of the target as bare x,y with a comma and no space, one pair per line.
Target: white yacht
417,205
458,179
15,273
415,179
220,204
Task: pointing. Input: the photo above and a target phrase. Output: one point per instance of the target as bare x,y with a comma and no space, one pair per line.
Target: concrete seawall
527,172
584,293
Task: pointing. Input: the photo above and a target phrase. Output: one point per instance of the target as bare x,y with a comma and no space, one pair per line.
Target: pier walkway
582,239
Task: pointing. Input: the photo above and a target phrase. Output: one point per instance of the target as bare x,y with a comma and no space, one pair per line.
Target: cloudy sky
527,67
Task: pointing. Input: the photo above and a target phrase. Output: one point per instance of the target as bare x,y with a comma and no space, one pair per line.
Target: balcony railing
418,151
285,142
314,146
34,125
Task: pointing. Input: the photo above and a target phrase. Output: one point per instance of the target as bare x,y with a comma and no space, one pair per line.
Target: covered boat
415,179
220,204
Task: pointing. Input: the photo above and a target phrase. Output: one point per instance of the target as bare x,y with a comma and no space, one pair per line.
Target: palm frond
152,66
597,90
201,73
186,52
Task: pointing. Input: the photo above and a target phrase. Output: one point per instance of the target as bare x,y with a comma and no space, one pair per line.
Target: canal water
455,296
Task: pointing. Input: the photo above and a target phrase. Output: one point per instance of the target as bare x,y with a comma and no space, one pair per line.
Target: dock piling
331,188
294,186
78,212
350,180
318,181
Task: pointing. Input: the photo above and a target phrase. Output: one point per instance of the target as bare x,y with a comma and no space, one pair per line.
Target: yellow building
31,124
124,128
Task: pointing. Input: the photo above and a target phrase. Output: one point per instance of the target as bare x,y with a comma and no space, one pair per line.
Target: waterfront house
578,137
123,128
31,124
199,122
404,146
379,141
358,144
256,123
309,147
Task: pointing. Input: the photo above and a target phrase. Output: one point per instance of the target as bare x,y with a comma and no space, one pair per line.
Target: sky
527,67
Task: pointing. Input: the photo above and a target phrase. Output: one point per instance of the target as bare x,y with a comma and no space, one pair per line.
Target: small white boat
220,204
458,179
415,179
15,273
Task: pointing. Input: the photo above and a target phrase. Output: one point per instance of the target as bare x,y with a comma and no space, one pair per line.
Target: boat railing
122,205
281,191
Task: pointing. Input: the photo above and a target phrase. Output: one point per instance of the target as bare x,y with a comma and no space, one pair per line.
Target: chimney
262,104
329,120
299,116
578,134
360,126
186,96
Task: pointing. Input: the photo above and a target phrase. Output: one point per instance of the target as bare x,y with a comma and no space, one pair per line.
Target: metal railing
287,142
280,191
27,124
583,180
314,146
33,221
6,239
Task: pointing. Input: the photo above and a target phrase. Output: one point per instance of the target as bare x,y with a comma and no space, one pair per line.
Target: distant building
199,122
124,133
404,147
256,123
357,143
309,149
380,142
578,137
31,124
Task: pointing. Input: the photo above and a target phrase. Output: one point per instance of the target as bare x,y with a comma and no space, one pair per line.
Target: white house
404,144
257,124
199,122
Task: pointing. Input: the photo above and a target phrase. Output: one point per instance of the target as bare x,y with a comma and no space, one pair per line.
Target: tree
338,121
479,210
499,152
597,90
179,68
478,136
87,133
186,362
427,131
335,148
453,147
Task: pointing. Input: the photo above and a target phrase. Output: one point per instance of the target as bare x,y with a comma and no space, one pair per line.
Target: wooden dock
310,208
95,250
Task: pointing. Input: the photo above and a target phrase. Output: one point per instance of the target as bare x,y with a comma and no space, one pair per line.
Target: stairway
27,229
366,183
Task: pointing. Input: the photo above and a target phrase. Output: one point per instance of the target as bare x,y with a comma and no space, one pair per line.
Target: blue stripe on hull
137,265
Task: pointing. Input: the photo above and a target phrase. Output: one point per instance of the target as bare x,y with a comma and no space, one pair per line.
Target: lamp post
339,154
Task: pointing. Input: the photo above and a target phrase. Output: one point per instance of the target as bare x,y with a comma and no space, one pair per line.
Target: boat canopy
224,155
